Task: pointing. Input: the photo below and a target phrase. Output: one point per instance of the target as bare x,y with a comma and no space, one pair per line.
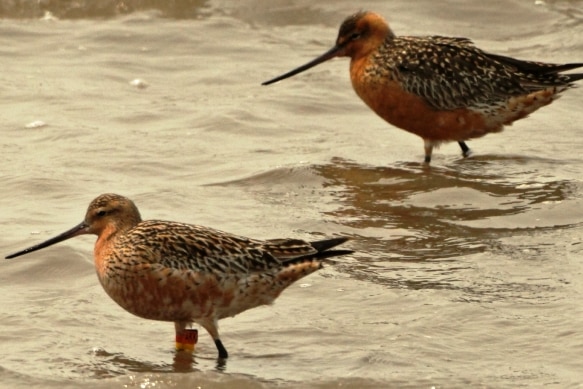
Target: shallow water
466,274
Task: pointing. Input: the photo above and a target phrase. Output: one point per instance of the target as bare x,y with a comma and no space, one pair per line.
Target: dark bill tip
333,52
79,229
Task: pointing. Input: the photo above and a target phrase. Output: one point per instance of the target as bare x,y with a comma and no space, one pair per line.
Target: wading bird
185,273
439,88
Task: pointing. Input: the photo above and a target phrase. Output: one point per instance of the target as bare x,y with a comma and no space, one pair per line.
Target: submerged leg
428,145
223,354
212,329
466,152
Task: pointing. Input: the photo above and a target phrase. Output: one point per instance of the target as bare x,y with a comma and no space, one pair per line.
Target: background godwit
440,88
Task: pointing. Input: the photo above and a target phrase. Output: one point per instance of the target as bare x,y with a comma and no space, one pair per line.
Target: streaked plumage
185,273
440,88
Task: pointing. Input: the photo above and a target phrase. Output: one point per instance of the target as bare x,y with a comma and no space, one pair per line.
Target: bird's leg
212,328
428,150
185,338
223,354
466,152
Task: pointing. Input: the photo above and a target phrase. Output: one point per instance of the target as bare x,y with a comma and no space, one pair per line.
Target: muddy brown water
466,274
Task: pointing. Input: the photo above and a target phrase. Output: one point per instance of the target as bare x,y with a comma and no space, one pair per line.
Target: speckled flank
441,88
185,273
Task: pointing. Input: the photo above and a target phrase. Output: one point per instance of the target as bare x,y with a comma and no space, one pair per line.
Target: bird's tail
323,247
545,73
574,76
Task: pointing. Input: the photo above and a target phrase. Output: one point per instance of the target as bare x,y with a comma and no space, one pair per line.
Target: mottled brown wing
285,249
451,73
203,249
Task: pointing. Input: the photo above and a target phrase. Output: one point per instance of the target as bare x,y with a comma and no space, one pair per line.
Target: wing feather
202,249
451,73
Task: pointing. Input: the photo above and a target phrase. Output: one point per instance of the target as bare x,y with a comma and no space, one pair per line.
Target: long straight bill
333,52
79,229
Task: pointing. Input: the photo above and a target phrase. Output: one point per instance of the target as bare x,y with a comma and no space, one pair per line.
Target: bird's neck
104,245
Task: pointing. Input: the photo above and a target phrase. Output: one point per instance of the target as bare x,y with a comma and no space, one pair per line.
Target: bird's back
451,73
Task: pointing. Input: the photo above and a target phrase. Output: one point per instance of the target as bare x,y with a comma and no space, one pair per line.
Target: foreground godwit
184,273
442,89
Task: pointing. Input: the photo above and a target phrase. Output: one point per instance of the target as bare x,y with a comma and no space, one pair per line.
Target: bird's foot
466,151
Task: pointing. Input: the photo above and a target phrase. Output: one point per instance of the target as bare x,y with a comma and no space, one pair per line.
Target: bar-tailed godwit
185,273
439,88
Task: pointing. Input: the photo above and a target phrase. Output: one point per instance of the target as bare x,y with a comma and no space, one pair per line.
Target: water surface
467,274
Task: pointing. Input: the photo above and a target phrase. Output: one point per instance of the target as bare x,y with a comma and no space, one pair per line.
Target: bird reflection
183,362
418,227
420,220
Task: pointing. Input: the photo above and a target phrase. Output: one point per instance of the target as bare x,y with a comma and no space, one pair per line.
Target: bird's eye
101,213
355,35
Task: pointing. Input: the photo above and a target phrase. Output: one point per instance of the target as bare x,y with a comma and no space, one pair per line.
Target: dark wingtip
323,250
575,76
333,253
323,245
